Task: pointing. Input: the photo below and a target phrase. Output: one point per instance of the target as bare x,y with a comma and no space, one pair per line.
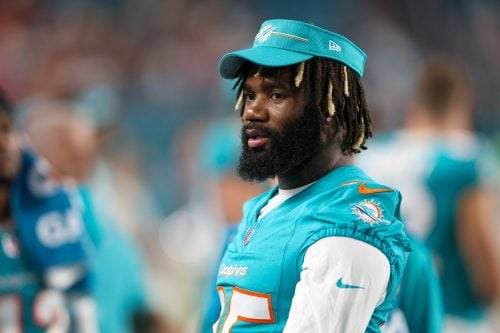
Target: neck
323,162
422,119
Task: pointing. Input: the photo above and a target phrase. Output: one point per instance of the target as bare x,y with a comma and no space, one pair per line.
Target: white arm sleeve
342,281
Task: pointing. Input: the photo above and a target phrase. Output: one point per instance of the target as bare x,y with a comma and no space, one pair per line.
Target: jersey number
48,312
245,306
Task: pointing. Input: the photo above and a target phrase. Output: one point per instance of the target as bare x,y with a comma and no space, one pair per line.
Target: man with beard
324,250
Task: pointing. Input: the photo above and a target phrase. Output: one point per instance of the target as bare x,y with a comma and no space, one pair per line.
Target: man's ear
330,132
325,133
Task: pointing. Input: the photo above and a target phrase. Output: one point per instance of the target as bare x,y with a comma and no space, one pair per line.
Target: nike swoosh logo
342,285
364,190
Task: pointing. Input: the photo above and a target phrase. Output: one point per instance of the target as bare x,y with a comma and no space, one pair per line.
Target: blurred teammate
219,154
438,164
45,277
324,250
70,142
419,304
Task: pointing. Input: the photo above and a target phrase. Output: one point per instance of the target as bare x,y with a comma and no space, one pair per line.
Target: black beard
283,153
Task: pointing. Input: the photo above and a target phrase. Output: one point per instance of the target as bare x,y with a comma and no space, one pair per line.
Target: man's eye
248,96
276,96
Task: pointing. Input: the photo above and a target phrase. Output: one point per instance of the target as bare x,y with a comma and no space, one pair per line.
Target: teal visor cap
285,42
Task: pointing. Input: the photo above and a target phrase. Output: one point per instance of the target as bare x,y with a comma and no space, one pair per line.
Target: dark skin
272,104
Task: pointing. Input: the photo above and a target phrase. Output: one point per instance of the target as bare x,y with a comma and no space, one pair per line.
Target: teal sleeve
118,270
92,224
420,294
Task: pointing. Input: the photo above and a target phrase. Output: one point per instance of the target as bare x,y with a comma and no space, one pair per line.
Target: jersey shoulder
362,198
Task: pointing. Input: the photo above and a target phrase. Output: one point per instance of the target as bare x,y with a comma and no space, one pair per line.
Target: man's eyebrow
269,85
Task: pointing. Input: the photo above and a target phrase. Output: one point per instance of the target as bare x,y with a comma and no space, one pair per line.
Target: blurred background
145,73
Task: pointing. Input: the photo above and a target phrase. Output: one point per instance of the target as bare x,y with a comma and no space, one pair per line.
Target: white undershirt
324,300
279,198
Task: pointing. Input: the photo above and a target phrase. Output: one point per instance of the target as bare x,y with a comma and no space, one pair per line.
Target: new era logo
332,46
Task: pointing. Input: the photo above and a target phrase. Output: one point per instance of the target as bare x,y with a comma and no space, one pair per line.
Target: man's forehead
282,75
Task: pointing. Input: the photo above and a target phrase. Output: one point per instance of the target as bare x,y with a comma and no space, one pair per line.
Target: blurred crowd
144,74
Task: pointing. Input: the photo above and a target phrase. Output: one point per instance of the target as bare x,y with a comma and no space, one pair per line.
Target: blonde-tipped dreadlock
239,102
331,105
346,83
361,138
326,82
300,75
257,73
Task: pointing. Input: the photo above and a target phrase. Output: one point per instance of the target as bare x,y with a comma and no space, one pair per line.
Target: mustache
254,130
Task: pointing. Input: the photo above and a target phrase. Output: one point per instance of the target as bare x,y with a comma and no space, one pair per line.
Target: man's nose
256,110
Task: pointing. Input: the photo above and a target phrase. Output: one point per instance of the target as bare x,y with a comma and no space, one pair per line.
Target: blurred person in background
45,269
219,153
70,143
444,171
208,153
419,304
325,249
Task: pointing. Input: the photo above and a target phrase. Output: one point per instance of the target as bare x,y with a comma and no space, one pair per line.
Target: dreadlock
343,107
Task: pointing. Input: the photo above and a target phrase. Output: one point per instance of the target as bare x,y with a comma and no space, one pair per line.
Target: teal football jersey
25,306
420,294
419,302
432,176
262,265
